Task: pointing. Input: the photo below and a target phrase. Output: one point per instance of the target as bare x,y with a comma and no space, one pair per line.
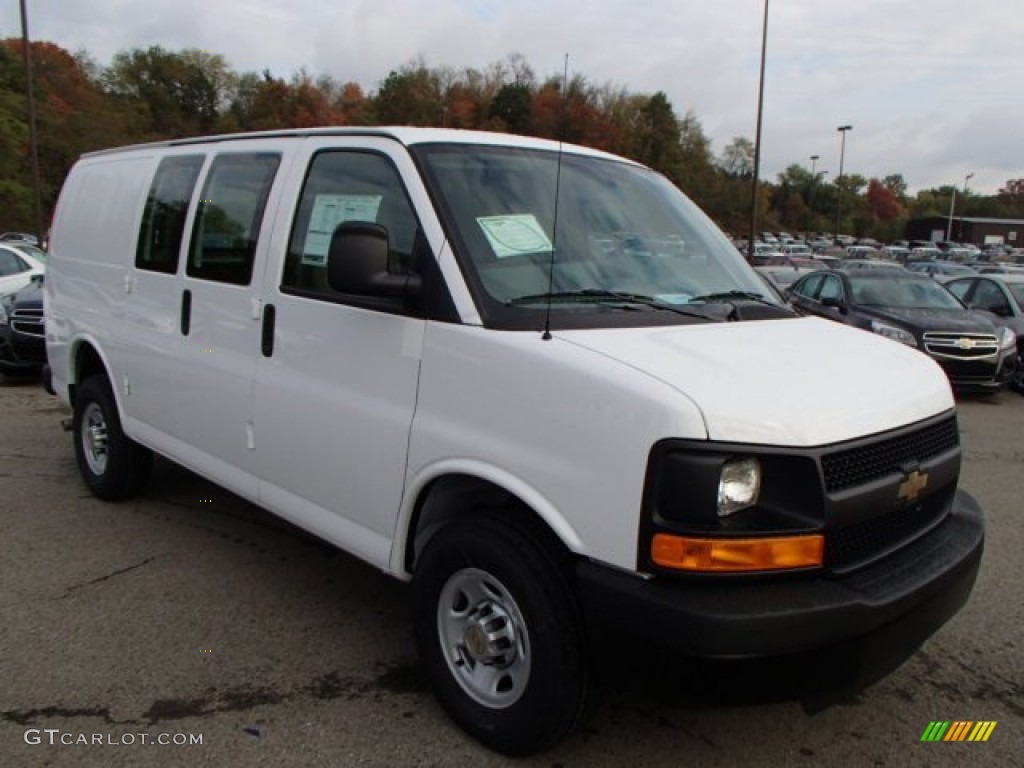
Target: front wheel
112,465
498,631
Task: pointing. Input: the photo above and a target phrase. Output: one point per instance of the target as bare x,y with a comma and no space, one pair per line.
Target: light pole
814,189
960,227
810,192
757,140
839,179
33,143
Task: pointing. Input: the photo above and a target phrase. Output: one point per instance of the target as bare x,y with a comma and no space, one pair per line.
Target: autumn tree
73,116
882,203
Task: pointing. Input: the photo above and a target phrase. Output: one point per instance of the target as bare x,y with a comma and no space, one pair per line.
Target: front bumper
980,375
20,356
889,608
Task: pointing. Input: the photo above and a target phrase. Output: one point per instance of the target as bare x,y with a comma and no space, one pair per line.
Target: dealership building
967,229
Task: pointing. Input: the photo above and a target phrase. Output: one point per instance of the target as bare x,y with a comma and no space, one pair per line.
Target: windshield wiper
728,296
598,295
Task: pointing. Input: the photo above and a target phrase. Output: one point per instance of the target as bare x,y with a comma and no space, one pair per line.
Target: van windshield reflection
622,231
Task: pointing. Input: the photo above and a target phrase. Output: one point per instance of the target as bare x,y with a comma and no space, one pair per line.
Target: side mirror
357,263
1002,310
835,302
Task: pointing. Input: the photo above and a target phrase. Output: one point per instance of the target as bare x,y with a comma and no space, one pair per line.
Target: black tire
536,651
112,465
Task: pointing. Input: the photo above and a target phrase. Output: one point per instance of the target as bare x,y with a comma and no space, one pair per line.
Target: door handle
267,336
186,312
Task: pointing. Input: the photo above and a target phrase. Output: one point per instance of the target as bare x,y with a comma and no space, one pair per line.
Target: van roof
406,135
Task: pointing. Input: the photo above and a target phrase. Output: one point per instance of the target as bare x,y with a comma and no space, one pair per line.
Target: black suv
22,331
976,351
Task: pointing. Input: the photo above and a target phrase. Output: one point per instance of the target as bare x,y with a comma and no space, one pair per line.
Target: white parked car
17,269
552,425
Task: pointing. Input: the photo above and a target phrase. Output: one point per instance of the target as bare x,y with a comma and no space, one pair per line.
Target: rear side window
227,225
163,222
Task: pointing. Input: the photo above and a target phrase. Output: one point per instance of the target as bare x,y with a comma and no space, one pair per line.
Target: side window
346,186
989,296
227,226
809,287
163,221
959,288
10,264
832,288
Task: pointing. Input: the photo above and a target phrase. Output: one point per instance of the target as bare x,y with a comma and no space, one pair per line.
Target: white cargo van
533,379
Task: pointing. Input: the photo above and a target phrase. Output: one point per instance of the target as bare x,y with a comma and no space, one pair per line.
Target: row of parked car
22,336
970,323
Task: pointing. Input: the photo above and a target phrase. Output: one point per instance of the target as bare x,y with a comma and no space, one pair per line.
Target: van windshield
623,232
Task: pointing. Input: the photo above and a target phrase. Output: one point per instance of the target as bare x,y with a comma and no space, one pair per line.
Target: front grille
864,463
29,322
962,346
855,544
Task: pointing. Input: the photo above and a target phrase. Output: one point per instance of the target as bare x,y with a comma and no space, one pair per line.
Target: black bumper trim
906,597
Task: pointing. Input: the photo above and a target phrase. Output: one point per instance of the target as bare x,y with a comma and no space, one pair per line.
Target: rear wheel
499,635
112,465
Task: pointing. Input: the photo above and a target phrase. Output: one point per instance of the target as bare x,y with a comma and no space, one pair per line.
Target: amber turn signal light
736,555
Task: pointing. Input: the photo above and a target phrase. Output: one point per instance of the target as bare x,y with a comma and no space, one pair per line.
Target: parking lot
191,613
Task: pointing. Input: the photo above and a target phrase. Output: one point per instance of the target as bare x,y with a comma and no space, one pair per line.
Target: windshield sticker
674,298
514,235
328,212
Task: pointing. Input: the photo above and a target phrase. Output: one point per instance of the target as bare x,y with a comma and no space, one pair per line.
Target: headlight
738,485
3,313
1007,338
894,333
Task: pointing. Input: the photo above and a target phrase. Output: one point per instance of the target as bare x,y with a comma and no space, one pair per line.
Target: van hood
802,382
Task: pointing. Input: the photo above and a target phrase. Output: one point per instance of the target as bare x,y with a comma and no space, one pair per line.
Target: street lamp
32,139
757,139
810,192
839,179
814,186
952,204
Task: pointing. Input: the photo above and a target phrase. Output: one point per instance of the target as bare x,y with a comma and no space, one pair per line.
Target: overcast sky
931,87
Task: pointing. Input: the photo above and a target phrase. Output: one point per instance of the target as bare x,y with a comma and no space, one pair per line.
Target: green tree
176,94
896,184
513,105
411,95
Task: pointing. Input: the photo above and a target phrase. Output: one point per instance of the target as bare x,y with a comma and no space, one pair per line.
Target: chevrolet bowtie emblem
965,343
912,486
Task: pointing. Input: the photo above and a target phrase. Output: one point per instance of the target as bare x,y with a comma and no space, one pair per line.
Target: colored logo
958,730
915,483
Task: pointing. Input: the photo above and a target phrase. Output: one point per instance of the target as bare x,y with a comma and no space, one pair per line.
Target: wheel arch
86,360
453,490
